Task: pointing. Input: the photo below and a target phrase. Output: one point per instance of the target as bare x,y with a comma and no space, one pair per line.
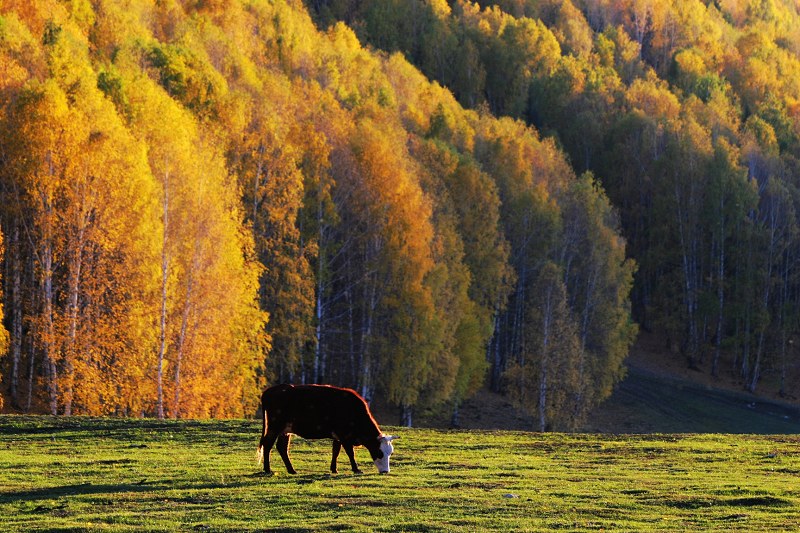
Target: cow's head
381,454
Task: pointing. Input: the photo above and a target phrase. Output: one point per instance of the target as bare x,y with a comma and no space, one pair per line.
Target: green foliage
187,77
110,83
52,32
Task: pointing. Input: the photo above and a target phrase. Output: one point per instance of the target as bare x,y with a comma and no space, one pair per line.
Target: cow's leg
267,441
337,447
348,449
283,449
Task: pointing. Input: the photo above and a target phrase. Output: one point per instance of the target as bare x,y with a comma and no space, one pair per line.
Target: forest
687,113
414,199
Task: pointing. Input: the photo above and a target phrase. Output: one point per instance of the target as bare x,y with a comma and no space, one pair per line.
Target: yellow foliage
653,98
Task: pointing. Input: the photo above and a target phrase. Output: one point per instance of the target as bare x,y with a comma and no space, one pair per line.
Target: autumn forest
413,198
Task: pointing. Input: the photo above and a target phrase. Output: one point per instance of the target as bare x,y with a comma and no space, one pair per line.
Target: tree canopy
201,198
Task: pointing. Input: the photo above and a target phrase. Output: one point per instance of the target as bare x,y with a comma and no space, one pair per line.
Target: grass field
75,474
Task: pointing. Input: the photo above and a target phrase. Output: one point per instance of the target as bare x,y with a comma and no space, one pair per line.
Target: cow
321,412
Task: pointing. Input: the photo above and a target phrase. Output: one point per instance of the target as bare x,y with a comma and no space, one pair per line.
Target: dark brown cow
321,412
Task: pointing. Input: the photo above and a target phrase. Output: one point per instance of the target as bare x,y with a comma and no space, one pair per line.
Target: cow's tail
260,451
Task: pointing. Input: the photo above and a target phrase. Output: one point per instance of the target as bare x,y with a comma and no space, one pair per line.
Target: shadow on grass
282,478
78,489
752,501
127,429
86,489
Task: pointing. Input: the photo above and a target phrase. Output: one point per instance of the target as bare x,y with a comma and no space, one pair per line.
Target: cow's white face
382,463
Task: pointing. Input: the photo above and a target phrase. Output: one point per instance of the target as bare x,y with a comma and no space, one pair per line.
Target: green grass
75,474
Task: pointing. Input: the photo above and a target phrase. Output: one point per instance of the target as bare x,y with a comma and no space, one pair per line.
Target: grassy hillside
646,402
73,474
662,394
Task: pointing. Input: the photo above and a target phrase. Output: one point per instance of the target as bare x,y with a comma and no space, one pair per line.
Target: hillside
659,394
655,403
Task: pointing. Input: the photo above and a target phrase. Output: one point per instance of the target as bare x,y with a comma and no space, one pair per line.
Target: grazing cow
321,412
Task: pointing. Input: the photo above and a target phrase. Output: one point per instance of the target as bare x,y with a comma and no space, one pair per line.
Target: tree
779,222
173,172
273,177
395,215
598,278
544,377
729,200
210,330
469,198
75,189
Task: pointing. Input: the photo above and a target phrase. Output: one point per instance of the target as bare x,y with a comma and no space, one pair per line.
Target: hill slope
658,395
646,402
662,394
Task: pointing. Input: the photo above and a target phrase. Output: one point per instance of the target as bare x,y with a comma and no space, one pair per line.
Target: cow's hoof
357,472
292,472
334,471
268,473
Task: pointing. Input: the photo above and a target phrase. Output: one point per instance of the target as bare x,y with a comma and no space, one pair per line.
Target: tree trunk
49,357
181,343
720,289
162,337
688,243
543,370
47,296
494,354
33,333
765,296
543,398
16,315
454,418
785,301
318,347
406,412
365,355
75,267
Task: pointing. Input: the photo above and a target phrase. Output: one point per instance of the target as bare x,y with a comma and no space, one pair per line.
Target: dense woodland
688,114
199,198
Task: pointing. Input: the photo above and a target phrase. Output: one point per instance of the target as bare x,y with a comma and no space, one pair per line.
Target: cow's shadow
304,479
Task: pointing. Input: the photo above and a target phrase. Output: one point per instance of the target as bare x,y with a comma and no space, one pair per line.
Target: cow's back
318,411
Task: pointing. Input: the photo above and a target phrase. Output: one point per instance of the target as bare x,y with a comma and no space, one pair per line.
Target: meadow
108,474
